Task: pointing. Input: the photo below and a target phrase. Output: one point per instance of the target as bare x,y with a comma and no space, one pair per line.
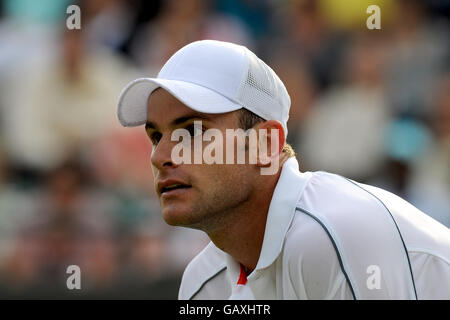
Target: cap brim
132,106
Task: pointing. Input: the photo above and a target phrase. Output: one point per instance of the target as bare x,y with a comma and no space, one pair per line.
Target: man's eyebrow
186,118
177,121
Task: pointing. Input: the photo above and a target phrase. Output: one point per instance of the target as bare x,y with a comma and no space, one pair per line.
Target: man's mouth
173,187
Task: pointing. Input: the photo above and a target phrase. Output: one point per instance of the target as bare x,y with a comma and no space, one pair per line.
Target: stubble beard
214,210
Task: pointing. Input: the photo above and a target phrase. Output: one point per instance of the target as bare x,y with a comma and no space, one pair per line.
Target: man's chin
178,217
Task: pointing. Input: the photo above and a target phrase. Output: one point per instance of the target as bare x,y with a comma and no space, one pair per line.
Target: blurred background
76,188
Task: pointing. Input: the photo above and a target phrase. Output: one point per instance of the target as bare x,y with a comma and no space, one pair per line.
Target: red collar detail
242,276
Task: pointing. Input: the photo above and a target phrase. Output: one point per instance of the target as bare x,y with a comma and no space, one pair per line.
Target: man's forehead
160,96
161,105
164,108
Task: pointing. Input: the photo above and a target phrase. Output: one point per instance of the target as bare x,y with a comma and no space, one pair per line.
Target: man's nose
161,156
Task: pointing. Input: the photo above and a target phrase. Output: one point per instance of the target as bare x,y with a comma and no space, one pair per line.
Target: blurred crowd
77,189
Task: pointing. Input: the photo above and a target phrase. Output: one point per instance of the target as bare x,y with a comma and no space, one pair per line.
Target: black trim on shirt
401,238
334,245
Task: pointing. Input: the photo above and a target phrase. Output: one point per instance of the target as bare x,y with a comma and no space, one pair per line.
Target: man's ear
271,139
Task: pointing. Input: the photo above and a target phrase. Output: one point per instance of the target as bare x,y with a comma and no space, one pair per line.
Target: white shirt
328,237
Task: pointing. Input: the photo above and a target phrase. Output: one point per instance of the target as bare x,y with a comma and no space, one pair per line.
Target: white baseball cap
211,76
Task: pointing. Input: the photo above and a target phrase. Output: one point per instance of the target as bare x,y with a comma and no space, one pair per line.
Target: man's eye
195,130
154,137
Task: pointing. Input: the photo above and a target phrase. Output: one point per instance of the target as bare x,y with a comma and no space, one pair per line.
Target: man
285,235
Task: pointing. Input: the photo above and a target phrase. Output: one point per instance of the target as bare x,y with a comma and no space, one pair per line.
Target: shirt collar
286,195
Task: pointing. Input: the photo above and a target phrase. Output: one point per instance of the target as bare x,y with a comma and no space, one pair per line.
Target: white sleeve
432,276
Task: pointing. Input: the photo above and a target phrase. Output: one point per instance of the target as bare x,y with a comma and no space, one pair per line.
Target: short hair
248,119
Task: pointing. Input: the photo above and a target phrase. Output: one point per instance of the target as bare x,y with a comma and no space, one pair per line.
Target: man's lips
170,186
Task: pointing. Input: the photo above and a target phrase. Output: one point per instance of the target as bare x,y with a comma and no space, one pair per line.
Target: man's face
193,195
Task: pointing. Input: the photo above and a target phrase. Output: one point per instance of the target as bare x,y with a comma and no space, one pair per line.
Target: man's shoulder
331,195
338,195
357,220
420,231
326,200
204,268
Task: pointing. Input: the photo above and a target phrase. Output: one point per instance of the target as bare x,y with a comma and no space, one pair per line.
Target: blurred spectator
307,35
68,217
417,53
179,23
59,108
107,22
405,141
16,207
253,13
302,91
418,158
344,132
120,159
431,181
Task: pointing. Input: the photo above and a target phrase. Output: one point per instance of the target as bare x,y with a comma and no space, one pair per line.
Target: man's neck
241,234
